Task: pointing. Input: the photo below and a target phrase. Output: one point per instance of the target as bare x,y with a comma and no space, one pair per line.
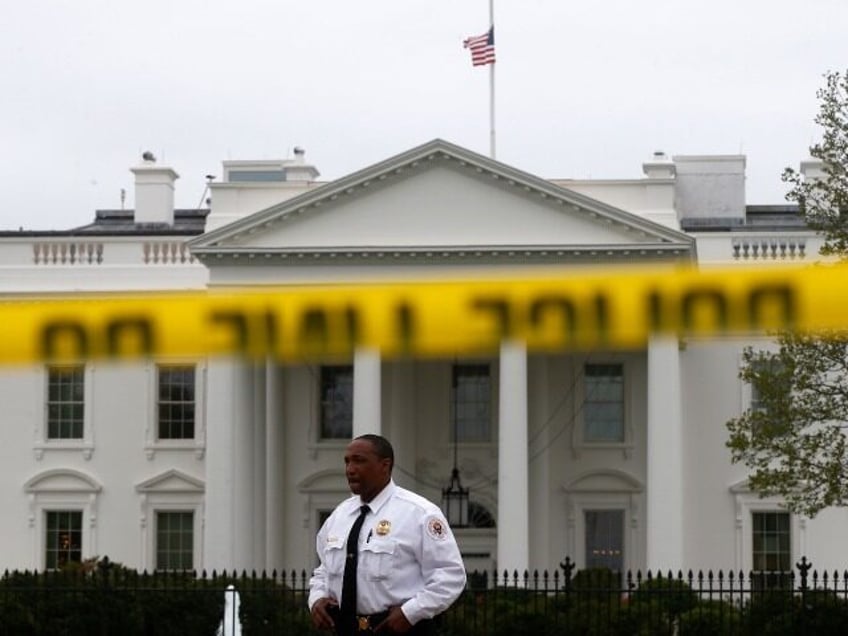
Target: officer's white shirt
407,556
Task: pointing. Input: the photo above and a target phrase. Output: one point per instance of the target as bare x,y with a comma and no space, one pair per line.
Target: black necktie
348,610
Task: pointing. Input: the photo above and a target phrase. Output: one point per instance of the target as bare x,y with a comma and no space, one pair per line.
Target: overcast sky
583,89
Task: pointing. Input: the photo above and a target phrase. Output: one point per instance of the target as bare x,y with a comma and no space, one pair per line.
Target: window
323,515
472,402
174,540
63,539
771,556
605,539
603,403
757,404
337,402
604,520
62,501
776,381
176,404
65,401
770,388
479,516
170,502
255,175
767,535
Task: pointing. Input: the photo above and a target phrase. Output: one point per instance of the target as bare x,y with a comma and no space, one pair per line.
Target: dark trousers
350,628
426,627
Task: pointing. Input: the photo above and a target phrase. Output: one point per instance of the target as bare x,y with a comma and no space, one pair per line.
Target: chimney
812,169
297,169
659,167
710,187
154,191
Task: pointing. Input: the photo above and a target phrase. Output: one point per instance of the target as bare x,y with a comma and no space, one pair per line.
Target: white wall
415,398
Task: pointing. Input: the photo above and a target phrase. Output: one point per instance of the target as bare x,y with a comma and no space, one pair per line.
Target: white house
609,457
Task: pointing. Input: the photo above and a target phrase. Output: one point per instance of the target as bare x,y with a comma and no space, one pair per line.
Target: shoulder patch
436,528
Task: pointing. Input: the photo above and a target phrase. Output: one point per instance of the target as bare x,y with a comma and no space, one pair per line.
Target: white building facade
612,458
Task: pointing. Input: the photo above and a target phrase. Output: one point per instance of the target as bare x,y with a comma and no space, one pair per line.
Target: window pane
176,402
65,401
771,546
776,384
63,538
337,402
603,403
605,539
174,540
472,402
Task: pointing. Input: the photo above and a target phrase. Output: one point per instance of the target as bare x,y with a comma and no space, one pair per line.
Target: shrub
822,612
597,584
103,599
671,596
769,613
708,618
593,617
778,613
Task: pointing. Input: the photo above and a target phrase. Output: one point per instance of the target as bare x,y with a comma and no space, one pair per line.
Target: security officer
403,566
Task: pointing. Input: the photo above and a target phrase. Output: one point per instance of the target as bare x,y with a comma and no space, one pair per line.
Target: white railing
166,252
75,252
68,253
783,248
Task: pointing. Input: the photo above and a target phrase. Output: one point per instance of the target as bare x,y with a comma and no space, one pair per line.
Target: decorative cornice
588,481
544,254
62,480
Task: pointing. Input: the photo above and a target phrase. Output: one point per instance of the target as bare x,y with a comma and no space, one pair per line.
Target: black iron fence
106,599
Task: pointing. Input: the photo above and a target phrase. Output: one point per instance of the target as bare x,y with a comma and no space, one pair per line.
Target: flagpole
492,88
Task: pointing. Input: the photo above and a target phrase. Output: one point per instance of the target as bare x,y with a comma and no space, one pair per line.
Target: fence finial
804,567
567,568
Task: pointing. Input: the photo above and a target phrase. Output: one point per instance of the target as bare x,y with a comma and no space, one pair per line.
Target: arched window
479,516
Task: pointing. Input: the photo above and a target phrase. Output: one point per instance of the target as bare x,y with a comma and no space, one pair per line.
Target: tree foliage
793,439
824,201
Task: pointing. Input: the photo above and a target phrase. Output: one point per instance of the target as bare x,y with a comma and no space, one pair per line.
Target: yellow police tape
564,310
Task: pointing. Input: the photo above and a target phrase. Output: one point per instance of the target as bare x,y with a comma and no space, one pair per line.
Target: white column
258,463
539,458
230,510
665,531
243,457
366,392
219,533
399,421
274,468
513,520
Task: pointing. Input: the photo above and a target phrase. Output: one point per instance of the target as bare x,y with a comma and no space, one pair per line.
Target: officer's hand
395,623
321,616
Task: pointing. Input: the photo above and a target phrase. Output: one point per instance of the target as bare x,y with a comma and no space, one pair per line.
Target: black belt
365,623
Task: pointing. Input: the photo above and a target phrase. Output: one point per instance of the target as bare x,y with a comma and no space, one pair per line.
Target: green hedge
597,604
107,599
100,598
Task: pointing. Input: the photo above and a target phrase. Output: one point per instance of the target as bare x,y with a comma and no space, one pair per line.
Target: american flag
482,47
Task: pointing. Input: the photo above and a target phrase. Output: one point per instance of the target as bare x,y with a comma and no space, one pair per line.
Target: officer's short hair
382,447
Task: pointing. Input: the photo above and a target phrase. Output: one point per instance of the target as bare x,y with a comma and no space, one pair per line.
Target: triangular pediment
439,197
171,481
740,487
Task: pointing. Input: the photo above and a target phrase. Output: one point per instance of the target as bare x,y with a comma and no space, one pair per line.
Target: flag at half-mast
482,47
